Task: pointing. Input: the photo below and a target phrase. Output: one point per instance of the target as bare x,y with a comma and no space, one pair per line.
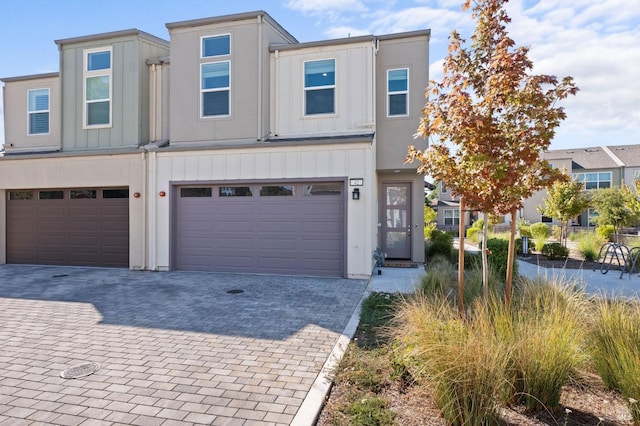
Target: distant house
597,167
233,148
448,210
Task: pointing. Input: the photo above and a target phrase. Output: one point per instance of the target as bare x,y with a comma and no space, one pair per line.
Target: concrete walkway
173,347
594,282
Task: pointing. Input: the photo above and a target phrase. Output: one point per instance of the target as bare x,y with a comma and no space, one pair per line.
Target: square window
38,111
99,61
216,46
97,113
319,86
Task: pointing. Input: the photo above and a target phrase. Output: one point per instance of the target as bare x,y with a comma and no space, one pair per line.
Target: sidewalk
594,282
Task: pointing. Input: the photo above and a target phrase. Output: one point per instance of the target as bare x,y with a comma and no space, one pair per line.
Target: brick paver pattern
174,347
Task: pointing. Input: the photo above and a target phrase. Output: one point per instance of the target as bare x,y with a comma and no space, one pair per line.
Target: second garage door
291,228
80,227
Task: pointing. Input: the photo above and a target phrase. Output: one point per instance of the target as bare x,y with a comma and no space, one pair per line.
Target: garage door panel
69,231
265,234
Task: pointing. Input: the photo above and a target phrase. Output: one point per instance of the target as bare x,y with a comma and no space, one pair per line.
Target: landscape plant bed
368,389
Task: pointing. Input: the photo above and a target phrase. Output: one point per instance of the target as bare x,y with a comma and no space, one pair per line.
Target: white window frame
397,92
48,111
453,215
333,86
636,174
217,89
202,56
97,73
582,177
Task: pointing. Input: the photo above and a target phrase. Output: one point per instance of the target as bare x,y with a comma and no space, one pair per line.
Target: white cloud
326,6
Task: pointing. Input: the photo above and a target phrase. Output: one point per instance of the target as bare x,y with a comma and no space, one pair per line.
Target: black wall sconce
355,195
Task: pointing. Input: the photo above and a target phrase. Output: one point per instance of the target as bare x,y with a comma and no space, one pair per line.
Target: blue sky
595,41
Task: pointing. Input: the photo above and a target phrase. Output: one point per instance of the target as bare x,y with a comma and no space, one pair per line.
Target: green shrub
605,231
371,411
524,228
539,230
615,339
440,243
555,251
538,243
478,224
499,249
473,234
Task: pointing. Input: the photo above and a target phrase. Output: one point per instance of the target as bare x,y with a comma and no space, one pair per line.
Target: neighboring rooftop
599,157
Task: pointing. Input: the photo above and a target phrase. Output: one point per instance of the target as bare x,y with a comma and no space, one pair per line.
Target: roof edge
231,17
112,34
348,40
30,77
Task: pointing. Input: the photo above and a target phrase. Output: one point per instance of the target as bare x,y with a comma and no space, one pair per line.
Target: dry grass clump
615,338
495,354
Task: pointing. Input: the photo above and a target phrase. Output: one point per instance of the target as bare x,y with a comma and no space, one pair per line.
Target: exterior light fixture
162,193
355,194
136,195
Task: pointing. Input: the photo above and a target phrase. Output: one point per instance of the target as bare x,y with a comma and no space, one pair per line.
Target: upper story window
594,180
38,111
320,87
398,92
214,88
97,73
219,45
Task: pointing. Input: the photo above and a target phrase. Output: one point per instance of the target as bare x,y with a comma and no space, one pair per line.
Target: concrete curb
309,411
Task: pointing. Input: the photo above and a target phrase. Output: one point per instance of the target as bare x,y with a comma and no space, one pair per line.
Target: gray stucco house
233,147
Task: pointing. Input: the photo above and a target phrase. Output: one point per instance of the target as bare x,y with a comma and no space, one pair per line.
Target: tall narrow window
38,111
398,92
216,46
97,88
320,87
214,88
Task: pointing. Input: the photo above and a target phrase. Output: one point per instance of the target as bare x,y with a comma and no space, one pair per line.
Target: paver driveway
174,347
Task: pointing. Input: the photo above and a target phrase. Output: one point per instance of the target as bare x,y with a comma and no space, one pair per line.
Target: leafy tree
565,200
616,206
491,120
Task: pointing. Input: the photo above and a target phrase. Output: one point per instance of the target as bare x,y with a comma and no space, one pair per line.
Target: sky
597,42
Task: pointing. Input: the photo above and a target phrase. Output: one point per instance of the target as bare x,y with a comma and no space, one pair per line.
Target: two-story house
232,148
596,167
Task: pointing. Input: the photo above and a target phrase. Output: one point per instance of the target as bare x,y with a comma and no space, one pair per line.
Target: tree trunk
485,263
510,258
461,260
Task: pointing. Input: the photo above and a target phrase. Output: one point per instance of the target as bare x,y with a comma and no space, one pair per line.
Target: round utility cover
80,370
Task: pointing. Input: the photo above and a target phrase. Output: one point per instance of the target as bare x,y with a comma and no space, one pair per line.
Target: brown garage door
82,227
286,228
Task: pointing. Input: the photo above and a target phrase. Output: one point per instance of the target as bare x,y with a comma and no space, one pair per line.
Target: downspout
152,101
153,228
145,222
260,131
